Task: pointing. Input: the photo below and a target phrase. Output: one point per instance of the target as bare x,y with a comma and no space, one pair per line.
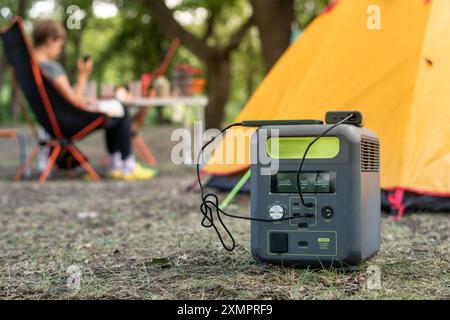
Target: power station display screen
310,182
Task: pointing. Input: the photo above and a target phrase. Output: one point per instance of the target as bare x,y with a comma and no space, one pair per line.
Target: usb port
303,244
303,225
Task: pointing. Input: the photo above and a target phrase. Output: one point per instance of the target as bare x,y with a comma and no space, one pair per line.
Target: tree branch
237,37
173,29
210,26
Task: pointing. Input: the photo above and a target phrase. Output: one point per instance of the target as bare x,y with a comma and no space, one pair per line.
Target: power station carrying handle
262,123
333,117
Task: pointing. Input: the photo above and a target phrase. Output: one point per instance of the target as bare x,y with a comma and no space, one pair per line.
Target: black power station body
340,177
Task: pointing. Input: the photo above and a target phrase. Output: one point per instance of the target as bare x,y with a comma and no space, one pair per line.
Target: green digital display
310,182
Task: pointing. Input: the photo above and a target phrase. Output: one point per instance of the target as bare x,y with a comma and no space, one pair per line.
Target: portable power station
340,179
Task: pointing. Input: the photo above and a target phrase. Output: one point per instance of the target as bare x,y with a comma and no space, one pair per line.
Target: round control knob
327,213
276,212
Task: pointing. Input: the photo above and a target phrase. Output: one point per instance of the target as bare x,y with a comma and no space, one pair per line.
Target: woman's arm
62,84
84,71
76,96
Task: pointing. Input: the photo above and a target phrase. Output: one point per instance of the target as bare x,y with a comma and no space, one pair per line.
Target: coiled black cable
210,201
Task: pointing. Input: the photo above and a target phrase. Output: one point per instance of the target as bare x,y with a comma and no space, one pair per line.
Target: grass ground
144,241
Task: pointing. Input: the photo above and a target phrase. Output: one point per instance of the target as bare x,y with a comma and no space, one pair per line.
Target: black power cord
210,201
300,193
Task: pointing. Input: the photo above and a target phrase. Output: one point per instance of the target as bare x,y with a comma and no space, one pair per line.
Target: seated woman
49,38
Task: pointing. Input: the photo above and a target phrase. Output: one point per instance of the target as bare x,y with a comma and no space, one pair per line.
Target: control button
303,225
309,215
276,212
279,242
327,212
303,244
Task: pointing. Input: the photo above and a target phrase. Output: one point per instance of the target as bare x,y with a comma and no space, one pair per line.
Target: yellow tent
390,59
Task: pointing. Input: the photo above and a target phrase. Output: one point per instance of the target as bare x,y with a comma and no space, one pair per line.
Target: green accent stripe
295,147
226,202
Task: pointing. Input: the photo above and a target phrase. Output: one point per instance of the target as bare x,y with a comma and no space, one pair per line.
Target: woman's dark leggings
118,136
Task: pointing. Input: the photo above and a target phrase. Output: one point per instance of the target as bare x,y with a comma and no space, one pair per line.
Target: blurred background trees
234,42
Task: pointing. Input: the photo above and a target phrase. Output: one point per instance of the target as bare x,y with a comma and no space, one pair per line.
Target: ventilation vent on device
370,155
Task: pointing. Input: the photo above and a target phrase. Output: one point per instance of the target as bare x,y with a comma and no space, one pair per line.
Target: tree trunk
274,20
77,53
22,8
3,66
160,119
219,80
76,40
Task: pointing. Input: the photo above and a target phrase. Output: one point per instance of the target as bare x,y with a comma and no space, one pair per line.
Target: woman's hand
85,67
84,71
90,104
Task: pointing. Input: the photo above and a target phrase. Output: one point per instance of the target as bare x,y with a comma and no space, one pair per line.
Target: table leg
202,118
138,142
139,118
187,143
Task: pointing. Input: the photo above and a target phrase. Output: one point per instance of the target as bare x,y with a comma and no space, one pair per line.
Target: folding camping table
198,103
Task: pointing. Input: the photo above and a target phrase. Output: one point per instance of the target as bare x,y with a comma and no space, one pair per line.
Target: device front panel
320,233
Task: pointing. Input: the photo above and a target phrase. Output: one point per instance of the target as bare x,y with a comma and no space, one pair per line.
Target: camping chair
62,120
23,144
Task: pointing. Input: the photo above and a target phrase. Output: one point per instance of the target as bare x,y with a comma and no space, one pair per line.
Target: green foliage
224,16
13,6
131,43
307,10
5,78
135,47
